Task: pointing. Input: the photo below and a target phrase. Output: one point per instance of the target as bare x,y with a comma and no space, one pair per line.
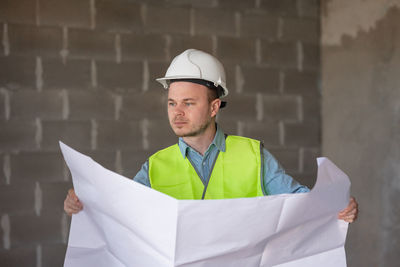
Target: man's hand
72,204
349,214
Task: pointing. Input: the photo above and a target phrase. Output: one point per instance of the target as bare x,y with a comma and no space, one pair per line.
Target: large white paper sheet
124,223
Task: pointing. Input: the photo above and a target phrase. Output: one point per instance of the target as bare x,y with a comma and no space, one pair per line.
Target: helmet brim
165,82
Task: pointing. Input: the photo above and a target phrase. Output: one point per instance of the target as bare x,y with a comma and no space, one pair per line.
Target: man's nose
179,110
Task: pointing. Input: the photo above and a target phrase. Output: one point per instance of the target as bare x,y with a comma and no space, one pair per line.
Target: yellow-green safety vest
236,172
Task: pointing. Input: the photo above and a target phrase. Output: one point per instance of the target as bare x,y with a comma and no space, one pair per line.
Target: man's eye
171,104
188,104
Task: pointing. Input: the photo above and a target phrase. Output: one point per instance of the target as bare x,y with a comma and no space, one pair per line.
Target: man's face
189,110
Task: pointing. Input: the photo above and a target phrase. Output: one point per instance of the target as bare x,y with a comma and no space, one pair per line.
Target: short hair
212,94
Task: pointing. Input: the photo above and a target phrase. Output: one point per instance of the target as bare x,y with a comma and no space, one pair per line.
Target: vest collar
218,141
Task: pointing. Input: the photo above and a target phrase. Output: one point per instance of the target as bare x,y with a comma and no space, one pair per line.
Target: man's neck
201,142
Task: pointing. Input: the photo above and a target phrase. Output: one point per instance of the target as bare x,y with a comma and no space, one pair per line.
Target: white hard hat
198,65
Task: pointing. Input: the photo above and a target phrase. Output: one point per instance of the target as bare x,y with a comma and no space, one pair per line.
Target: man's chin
187,131
184,133
179,132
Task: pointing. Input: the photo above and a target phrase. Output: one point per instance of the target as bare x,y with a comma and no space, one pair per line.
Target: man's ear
215,105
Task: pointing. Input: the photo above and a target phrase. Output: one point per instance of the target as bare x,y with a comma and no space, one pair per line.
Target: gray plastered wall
361,119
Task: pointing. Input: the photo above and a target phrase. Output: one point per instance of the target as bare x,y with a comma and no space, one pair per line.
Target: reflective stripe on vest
236,172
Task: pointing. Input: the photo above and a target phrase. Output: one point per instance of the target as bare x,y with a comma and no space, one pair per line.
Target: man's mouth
179,122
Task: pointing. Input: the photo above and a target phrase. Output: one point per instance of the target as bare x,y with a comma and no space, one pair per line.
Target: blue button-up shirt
276,181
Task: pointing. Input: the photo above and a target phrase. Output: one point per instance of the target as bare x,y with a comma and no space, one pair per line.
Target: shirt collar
218,141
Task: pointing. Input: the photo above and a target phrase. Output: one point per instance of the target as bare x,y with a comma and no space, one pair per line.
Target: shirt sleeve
276,181
143,175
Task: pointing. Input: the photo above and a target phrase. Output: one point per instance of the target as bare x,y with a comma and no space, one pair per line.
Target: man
206,163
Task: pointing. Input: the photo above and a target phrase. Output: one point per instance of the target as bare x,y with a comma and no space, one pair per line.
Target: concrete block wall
82,71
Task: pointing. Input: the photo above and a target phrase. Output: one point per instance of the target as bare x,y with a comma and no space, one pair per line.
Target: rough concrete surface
361,119
350,17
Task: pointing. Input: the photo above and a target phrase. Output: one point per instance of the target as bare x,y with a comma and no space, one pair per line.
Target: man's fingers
72,204
72,209
349,214
351,206
349,218
72,195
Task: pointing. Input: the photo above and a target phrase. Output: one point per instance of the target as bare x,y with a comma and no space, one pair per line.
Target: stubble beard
196,131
